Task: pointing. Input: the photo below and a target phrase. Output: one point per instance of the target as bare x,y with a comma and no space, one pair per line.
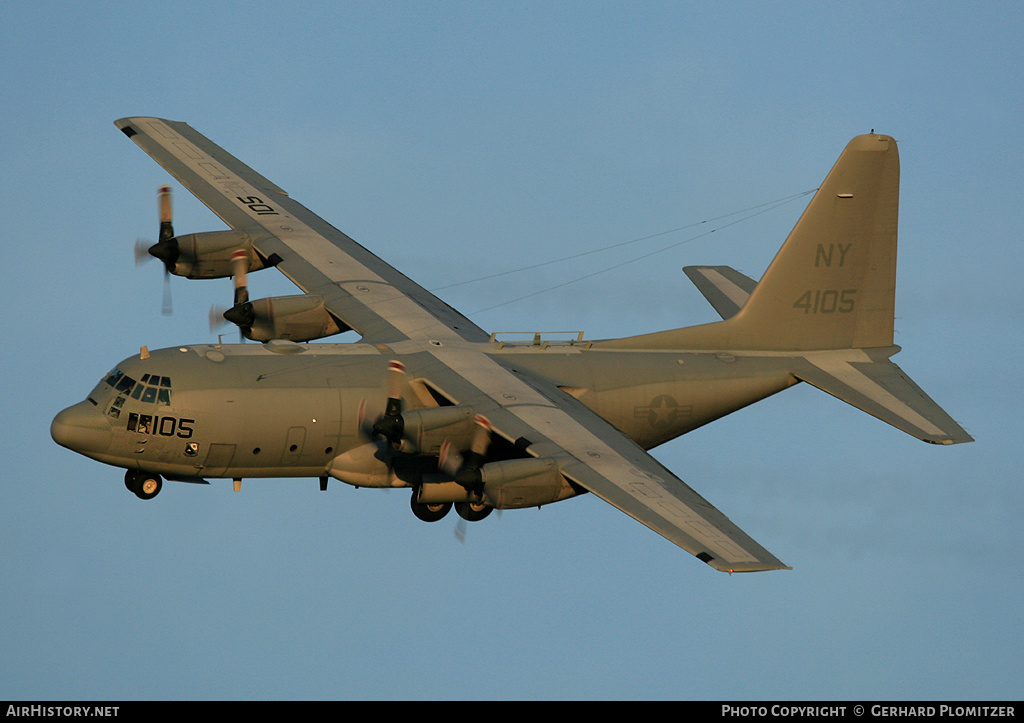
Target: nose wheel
143,485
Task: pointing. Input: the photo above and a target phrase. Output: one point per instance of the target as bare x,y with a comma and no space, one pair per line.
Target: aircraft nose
81,428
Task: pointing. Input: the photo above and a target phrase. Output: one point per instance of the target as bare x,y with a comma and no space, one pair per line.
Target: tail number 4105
827,301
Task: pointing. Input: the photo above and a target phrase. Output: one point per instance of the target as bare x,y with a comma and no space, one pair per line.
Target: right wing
360,289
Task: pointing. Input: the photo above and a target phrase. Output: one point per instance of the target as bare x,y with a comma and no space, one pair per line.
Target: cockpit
151,389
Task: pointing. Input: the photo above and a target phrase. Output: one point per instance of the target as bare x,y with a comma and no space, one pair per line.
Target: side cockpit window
124,384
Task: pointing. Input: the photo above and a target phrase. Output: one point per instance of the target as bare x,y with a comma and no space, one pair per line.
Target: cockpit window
124,384
151,389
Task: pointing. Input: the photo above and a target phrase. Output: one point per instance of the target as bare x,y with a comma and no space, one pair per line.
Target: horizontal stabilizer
725,288
873,384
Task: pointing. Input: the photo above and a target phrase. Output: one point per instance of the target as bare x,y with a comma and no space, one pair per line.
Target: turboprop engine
506,484
296,318
207,255
302,317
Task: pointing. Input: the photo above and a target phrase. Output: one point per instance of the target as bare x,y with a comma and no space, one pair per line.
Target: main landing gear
144,485
472,511
434,511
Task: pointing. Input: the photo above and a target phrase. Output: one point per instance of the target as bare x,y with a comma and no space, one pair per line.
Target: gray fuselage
242,410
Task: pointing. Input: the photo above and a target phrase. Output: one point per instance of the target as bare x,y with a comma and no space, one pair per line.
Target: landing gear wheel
472,511
429,511
145,486
149,486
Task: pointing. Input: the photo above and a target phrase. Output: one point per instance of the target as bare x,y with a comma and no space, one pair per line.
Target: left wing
370,296
595,455
385,306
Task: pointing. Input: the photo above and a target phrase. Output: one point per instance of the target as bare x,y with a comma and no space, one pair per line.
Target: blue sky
456,140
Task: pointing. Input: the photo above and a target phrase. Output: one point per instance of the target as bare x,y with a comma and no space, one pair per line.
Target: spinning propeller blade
465,468
166,249
391,425
241,314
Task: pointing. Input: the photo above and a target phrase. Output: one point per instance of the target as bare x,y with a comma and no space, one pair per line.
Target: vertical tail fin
833,283
829,297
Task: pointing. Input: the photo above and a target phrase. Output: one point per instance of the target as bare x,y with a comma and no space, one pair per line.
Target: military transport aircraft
429,401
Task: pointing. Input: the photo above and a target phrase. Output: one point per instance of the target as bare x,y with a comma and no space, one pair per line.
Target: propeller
391,426
465,468
241,314
165,249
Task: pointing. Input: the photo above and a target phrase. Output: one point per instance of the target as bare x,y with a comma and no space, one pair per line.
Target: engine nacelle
426,429
371,465
508,484
208,255
524,483
297,318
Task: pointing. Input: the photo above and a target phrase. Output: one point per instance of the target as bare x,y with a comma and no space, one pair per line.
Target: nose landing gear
143,485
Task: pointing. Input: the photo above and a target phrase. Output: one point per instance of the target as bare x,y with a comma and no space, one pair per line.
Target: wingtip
722,566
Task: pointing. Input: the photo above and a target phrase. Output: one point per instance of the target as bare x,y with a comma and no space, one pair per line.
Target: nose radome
82,428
